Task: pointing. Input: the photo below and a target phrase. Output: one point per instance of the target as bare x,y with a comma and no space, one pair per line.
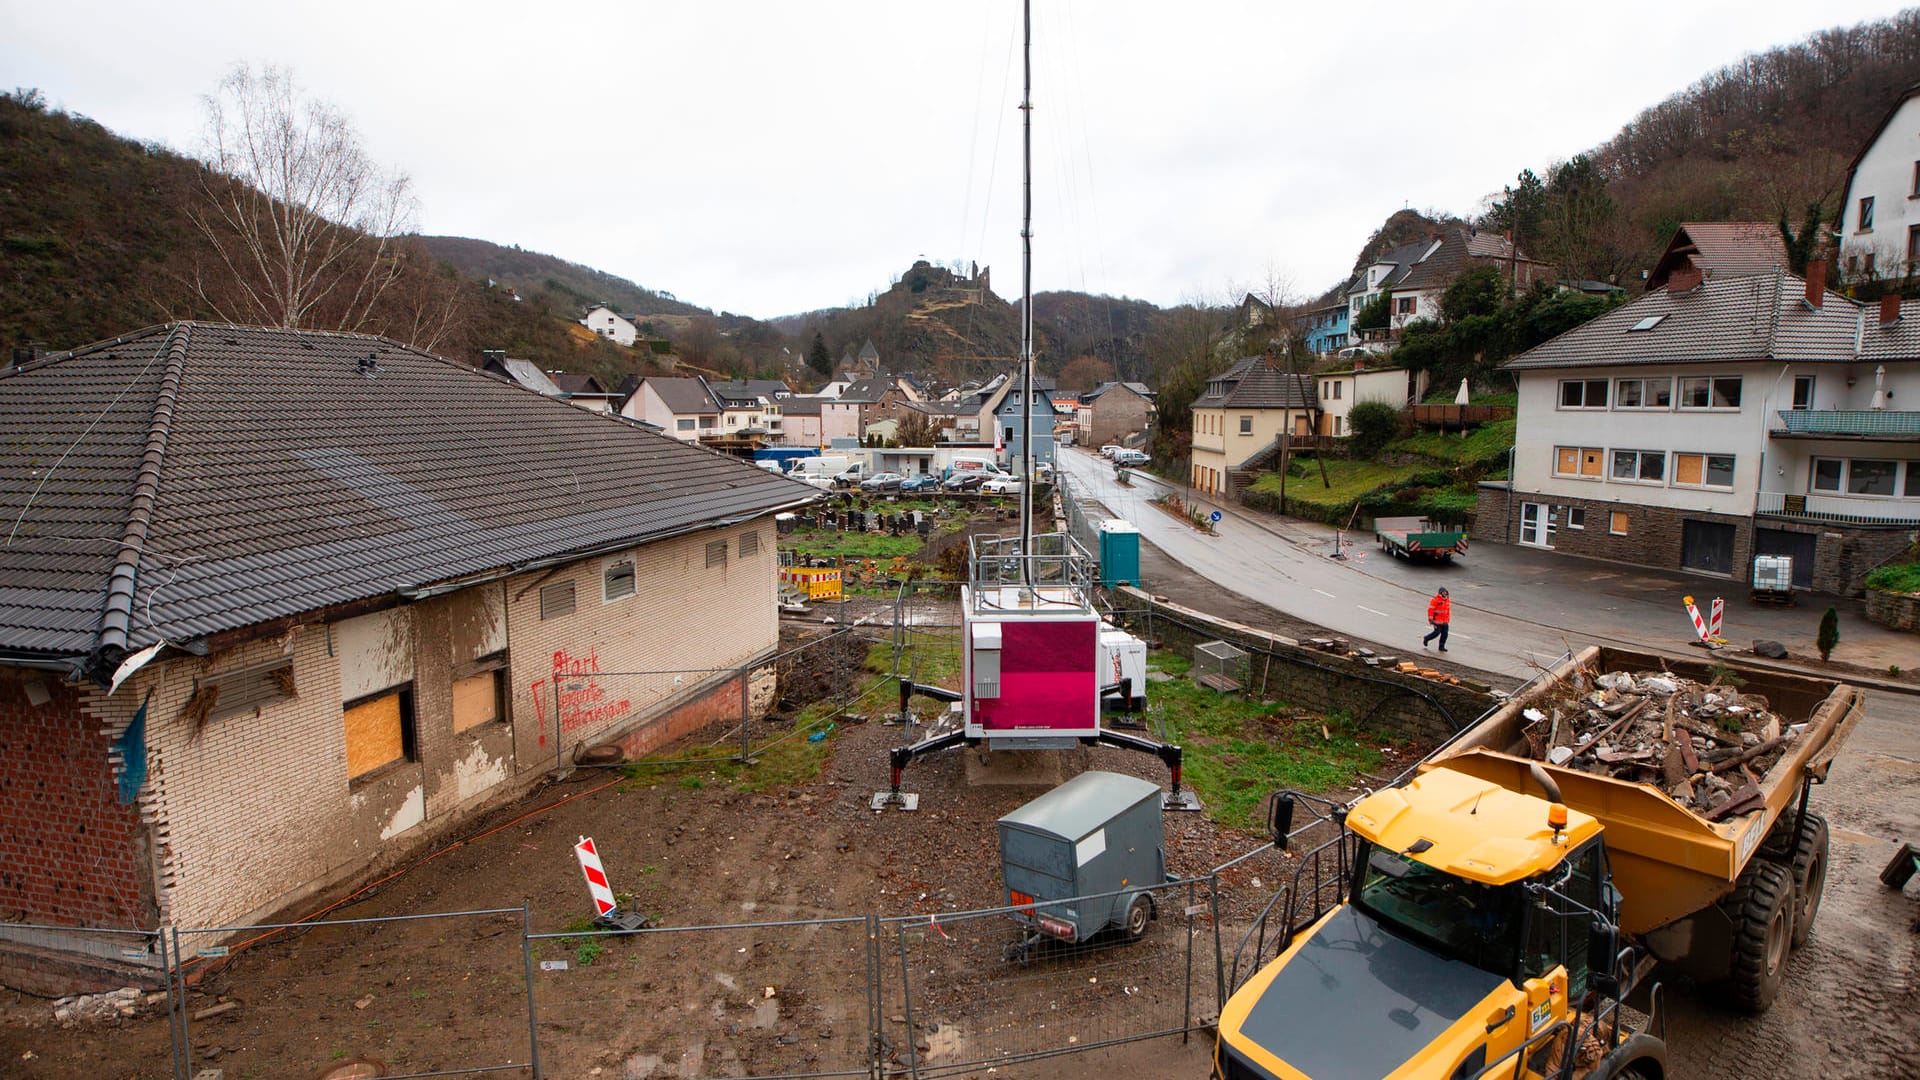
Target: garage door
1798,545
1707,545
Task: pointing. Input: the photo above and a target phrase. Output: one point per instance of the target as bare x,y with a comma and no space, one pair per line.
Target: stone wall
1493,515
1378,698
1898,610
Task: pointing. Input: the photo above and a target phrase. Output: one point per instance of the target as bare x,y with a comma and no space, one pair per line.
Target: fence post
746,744
906,996
1219,961
1186,1017
186,1033
526,958
876,1007
173,1004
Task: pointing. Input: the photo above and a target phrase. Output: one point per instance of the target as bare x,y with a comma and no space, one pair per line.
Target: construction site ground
694,848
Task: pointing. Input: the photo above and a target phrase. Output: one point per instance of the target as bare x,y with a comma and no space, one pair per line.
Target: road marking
1370,611
1326,594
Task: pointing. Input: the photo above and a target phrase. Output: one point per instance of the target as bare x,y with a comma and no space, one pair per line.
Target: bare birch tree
303,222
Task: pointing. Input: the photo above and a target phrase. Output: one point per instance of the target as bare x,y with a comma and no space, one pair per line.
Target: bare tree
303,222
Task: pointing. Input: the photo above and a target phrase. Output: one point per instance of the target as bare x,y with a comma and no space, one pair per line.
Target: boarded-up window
245,691
379,731
476,700
1577,461
749,545
1689,468
1617,523
717,553
556,600
616,581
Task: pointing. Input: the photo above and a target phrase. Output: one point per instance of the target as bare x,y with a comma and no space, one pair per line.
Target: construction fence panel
768,999
345,982
979,990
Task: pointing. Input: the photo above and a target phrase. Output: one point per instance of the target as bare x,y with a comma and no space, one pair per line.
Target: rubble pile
1705,745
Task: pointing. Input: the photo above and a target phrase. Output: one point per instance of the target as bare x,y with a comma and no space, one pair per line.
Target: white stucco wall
1887,174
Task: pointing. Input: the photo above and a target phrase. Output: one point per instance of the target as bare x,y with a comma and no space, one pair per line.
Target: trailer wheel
1809,876
1761,908
1139,914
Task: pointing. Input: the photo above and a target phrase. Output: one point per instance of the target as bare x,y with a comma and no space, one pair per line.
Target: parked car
1043,471
1000,485
1110,449
1131,457
923,482
964,481
886,481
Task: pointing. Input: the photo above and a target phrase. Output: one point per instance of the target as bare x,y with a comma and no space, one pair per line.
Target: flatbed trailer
1416,538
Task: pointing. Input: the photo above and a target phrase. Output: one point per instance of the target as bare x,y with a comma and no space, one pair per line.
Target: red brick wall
68,849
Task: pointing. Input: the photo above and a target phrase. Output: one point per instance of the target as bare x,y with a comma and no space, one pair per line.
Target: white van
820,471
985,466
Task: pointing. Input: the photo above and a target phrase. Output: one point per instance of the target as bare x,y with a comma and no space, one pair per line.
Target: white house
1714,420
1879,223
611,325
1341,390
683,408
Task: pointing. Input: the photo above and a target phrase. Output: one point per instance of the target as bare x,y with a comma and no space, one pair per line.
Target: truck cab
1475,925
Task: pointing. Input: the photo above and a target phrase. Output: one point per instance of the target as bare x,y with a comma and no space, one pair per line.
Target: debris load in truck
1706,745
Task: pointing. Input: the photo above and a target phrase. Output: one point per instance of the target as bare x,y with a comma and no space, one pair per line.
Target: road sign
1214,517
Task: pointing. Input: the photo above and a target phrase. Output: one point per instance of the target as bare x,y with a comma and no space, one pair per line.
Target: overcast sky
770,158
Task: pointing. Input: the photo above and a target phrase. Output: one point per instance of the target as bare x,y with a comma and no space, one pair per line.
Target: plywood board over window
376,733
476,700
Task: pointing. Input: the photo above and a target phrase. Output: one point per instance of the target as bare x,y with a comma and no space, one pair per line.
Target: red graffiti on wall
573,687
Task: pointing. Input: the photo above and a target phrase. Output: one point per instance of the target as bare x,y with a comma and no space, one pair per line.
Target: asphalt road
1513,607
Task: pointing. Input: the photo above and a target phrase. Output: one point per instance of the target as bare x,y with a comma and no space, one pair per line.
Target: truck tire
1809,876
1139,915
1761,908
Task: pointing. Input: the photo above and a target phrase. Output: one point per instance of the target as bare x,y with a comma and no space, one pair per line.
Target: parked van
820,471
985,466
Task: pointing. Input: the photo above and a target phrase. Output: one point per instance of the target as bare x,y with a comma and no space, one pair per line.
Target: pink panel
1047,678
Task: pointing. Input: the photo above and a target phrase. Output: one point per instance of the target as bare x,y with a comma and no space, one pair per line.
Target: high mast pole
1026,297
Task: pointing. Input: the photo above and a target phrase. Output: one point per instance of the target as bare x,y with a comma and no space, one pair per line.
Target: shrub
1375,424
1899,578
1829,633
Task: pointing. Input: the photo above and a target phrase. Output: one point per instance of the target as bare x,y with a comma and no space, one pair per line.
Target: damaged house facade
279,607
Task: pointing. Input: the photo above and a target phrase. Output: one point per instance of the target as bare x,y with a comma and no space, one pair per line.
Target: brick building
367,620
1113,411
1721,416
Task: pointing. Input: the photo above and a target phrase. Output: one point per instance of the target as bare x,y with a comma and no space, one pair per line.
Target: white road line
1370,611
1326,594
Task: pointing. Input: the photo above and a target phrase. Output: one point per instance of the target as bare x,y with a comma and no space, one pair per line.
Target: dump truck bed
1668,860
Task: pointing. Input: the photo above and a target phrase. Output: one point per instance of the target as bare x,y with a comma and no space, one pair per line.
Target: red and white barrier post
1699,624
1713,623
596,875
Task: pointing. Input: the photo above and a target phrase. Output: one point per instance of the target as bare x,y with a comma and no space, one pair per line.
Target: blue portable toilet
1119,553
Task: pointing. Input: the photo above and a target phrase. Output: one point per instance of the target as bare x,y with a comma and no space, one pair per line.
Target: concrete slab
1014,768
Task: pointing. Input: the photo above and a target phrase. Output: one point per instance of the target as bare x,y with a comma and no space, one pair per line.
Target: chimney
1816,284
1686,278
1889,309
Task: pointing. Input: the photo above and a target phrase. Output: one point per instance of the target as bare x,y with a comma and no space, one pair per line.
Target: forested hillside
528,270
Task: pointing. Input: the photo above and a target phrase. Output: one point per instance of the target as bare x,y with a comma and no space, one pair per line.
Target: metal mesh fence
771,999
345,982
981,989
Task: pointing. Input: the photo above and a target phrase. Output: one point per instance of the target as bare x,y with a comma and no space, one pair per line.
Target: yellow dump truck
1490,914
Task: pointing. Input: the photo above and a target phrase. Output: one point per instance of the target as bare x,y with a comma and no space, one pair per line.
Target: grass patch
827,543
1484,445
1349,480
789,761
1900,578
931,658
1237,749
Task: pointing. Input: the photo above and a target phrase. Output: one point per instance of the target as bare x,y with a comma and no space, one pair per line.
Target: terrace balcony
1864,425
1837,509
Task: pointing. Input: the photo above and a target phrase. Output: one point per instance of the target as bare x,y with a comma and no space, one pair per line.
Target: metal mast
1026,297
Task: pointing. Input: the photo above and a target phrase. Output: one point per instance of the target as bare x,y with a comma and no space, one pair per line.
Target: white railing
1839,508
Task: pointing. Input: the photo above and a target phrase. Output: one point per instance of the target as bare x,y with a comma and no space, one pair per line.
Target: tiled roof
750,388
1459,250
1255,384
526,373
1402,259
1724,248
801,405
683,397
577,384
190,479
1723,320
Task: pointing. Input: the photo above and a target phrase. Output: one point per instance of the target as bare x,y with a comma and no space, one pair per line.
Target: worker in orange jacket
1439,614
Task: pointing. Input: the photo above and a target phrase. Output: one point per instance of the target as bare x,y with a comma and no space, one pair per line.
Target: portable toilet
1097,833
1119,553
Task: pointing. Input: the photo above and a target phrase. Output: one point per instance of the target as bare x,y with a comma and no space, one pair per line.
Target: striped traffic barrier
596,875
1699,624
1713,622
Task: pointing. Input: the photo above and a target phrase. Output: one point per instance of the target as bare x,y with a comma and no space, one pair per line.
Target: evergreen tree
818,358
1829,633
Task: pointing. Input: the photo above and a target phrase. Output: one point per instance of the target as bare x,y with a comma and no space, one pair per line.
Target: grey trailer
1097,833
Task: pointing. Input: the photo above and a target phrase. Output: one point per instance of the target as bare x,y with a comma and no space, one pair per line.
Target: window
1869,264
1866,215
1913,480
706,422
1916,179
1577,461
616,581
476,698
717,553
749,545
1339,424
1703,470
1246,425
1583,394
1913,244
1639,466
1826,474
683,424
1405,305
1643,394
1803,391
1647,323
1617,523
379,730
1576,517
1719,392
1870,477
249,689
1337,384
556,600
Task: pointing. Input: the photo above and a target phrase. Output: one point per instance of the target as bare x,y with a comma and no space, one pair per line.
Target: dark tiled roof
869,390
280,478
1255,384
1402,258
742,389
801,405
1139,388
683,397
526,373
1723,320
1459,251
1725,248
576,384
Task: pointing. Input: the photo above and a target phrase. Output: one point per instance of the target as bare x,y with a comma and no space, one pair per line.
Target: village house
1363,380
584,391
1413,277
611,325
683,408
248,656
1716,419
1114,412
1720,248
1878,227
1241,415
